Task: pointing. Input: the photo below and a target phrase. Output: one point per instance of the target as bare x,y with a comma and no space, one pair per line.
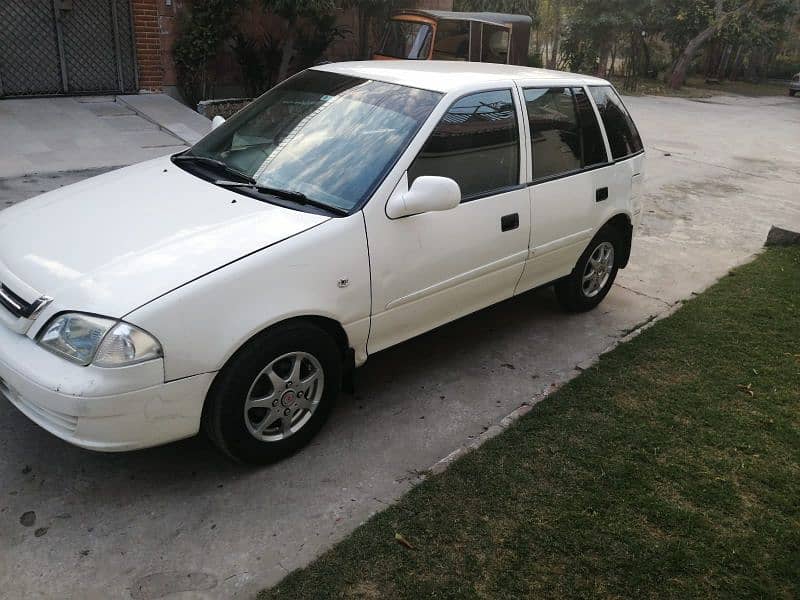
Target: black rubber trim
550,178
497,192
586,170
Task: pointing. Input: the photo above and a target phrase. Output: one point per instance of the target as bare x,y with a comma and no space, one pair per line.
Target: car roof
447,76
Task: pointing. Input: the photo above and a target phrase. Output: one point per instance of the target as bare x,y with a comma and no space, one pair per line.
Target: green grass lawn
670,469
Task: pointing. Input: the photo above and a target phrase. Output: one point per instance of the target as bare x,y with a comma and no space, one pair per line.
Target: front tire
275,394
593,276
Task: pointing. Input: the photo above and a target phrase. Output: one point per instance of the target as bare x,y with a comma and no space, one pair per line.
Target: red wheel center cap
288,398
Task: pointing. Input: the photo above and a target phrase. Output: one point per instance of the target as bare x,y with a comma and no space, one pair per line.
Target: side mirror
427,194
217,121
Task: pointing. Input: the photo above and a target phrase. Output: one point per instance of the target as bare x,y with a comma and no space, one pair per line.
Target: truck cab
459,36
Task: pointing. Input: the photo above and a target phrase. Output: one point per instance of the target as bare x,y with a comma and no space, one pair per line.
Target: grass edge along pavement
670,468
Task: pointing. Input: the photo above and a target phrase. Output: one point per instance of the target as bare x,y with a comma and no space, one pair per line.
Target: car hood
112,243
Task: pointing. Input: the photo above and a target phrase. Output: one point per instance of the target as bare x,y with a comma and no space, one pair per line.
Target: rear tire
792,92
275,394
593,276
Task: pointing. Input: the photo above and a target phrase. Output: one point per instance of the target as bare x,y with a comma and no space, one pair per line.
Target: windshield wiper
292,195
217,164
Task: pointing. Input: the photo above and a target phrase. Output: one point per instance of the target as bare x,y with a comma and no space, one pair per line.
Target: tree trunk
611,69
723,65
288,52
364,19
712,59
736,69
602,62
553,60
678,76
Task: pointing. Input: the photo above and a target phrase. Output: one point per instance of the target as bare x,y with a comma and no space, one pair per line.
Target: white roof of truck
446,76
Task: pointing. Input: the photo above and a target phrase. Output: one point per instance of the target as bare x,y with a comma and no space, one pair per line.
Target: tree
291,11
204,26
557,21
595,27
720,19
754,39
370,14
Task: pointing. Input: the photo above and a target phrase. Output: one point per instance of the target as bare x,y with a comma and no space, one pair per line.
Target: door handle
509,222
601,194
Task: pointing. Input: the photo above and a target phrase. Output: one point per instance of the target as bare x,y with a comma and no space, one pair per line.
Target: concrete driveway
180,522
48,135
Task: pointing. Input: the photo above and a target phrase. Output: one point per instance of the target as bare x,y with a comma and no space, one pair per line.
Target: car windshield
406,39
326,136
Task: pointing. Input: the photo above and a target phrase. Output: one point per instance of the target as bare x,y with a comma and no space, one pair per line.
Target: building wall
156,24
148,44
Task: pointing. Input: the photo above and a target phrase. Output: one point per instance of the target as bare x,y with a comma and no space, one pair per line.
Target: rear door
570,177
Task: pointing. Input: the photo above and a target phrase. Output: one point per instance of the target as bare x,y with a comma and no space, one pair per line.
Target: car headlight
87,339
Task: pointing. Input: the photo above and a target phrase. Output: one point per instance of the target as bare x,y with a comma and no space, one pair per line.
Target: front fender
322,272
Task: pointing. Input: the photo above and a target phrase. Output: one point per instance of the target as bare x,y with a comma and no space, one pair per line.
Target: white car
236,285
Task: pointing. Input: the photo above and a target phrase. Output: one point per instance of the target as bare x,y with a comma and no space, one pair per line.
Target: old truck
466,36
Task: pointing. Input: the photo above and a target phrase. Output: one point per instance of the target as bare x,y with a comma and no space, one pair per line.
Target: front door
432,268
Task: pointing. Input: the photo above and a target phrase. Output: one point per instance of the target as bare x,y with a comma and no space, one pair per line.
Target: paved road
178,518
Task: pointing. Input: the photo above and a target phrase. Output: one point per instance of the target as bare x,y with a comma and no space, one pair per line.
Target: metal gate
66,47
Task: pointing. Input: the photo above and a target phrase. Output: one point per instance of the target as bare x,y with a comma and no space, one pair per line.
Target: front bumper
100,409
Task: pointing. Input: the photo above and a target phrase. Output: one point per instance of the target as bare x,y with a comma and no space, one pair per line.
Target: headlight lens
126,345
86,339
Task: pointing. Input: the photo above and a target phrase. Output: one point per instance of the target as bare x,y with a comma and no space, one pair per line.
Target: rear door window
622,134
555,133
476,143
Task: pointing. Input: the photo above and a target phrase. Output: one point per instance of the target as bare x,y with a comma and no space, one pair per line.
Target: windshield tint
328,136
406,39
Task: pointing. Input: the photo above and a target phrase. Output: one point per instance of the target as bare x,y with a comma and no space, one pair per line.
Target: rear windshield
622,134
406,39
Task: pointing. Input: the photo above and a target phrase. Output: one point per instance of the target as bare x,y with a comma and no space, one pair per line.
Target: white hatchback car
236,285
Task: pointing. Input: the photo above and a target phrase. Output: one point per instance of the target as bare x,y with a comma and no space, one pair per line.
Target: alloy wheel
598,269
284,396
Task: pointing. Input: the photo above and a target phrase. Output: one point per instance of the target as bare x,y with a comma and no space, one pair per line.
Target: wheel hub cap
288,398
284,396
598,269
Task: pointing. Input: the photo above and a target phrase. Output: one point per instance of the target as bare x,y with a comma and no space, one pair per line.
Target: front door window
476,143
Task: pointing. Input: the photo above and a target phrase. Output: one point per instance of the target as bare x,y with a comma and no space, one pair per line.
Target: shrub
203,28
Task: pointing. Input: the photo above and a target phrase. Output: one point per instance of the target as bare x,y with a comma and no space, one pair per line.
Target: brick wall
147,35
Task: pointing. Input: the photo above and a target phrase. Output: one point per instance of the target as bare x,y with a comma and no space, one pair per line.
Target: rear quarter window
623,136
